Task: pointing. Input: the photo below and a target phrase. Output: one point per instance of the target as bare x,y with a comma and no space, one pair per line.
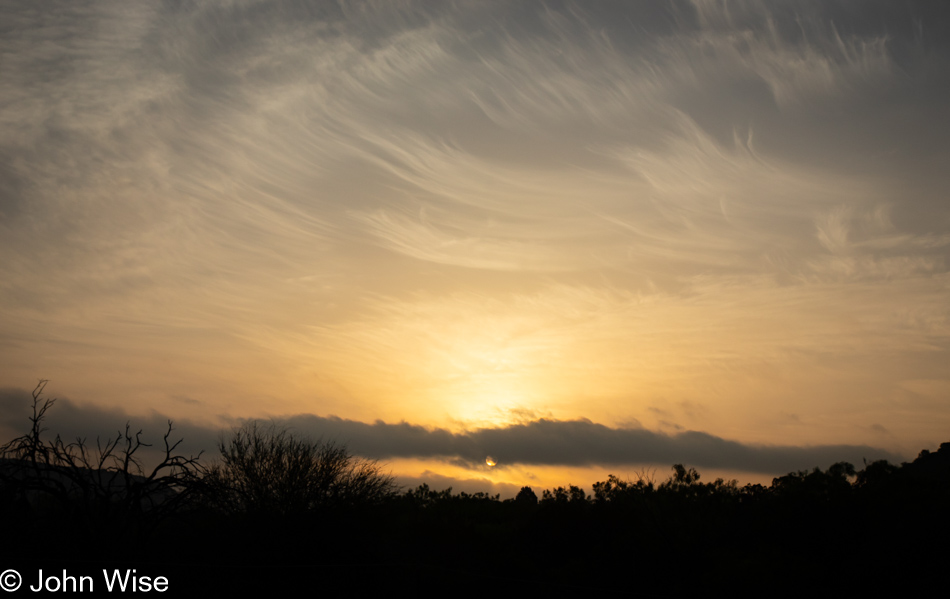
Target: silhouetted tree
95,486
683,477
269,470
573,495
833,483
526,496
876,474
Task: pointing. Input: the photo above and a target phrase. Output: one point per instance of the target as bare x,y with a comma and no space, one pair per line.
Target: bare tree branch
108,482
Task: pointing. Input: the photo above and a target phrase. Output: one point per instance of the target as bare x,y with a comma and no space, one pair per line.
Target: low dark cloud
546,442
577,443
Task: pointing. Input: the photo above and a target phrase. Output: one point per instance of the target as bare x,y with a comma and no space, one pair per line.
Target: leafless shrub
268,470
107,482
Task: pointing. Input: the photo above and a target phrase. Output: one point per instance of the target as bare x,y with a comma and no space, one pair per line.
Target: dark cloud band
577,443
540,442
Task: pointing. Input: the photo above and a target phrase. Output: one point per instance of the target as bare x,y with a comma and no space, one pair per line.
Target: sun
490,461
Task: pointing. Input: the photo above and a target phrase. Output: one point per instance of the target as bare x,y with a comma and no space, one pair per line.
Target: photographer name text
118,581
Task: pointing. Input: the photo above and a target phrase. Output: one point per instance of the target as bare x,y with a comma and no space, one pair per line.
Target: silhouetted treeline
273,508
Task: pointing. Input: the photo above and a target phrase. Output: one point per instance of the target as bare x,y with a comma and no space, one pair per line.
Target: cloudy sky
578,237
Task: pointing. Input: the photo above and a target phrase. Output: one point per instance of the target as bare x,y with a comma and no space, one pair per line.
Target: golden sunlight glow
540,230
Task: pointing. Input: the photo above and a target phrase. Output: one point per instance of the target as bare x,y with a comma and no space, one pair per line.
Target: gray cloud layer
540,442
576,443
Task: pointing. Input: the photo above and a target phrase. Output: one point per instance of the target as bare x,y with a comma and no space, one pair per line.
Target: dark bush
93,487
268,470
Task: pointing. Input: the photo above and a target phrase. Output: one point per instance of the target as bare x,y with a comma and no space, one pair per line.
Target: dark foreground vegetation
277,512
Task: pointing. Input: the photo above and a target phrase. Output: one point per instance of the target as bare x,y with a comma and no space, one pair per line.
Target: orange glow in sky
584,238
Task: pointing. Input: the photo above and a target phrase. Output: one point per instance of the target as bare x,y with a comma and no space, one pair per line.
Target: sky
580,238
